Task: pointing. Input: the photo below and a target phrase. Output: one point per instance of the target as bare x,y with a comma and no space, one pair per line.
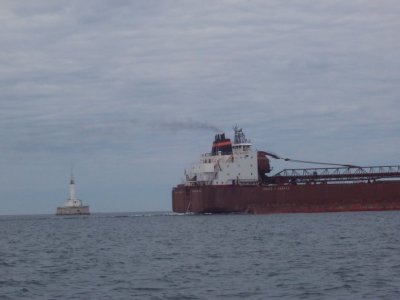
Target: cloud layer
110,85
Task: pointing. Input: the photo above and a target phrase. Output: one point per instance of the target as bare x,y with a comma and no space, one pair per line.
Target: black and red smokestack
221,144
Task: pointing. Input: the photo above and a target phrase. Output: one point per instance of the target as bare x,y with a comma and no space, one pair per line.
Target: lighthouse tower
72,201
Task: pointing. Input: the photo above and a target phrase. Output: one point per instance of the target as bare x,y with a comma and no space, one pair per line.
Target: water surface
166,256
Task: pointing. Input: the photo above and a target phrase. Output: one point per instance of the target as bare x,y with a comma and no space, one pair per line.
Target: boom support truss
336,174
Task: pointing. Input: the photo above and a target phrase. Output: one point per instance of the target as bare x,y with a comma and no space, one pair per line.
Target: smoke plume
189,125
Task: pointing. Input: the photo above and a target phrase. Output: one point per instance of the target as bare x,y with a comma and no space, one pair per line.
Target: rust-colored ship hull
287,198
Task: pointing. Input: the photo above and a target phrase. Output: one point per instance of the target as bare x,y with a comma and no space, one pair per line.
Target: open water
166,256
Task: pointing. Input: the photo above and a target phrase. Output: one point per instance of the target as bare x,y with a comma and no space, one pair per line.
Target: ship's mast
240,138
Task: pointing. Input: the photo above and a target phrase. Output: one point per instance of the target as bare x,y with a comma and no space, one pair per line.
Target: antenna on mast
239,135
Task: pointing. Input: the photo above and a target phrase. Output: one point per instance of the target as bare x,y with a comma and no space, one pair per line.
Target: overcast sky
131,92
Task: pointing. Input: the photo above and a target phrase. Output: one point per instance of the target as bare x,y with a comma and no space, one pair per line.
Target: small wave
147,289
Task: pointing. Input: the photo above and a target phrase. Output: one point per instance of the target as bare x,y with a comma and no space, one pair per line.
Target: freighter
73,206
234,178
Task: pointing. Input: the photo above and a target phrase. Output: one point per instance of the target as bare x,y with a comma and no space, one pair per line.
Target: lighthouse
73,206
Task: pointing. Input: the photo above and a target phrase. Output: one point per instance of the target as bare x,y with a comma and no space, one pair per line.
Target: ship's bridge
242,146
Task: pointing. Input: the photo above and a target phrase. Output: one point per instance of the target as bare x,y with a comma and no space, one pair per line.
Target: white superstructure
227,163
